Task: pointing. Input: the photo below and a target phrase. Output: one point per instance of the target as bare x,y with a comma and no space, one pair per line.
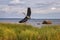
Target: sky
41,9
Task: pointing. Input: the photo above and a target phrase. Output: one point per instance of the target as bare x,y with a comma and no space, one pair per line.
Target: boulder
46,22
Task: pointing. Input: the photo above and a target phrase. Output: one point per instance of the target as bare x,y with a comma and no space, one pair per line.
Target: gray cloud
42,7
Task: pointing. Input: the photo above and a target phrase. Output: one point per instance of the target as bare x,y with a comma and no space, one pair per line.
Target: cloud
17,9
53,8
16,2
11,9
41,7
37,6
35,3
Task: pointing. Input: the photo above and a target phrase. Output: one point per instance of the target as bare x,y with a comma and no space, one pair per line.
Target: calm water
31,21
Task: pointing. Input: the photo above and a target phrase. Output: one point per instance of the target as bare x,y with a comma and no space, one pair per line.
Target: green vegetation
27,32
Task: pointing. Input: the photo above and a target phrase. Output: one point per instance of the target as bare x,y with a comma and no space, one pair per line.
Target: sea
34,22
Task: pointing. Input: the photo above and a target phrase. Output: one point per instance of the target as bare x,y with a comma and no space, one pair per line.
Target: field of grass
27,32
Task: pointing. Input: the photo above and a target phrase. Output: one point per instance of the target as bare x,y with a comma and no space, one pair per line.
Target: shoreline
34,25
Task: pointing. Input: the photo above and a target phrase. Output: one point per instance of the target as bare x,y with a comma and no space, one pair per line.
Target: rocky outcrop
46,22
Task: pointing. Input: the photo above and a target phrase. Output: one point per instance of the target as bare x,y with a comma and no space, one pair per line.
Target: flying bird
27,16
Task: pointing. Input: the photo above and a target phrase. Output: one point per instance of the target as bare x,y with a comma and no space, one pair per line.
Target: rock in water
46,22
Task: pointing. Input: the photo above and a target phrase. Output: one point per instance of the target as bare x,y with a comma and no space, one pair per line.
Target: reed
10,31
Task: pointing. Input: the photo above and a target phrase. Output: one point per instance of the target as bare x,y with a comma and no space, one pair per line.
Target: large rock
46,22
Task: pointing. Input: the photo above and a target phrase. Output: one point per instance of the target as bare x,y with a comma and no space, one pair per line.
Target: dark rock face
47,22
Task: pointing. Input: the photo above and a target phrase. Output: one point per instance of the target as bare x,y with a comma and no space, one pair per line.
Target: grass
28,32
